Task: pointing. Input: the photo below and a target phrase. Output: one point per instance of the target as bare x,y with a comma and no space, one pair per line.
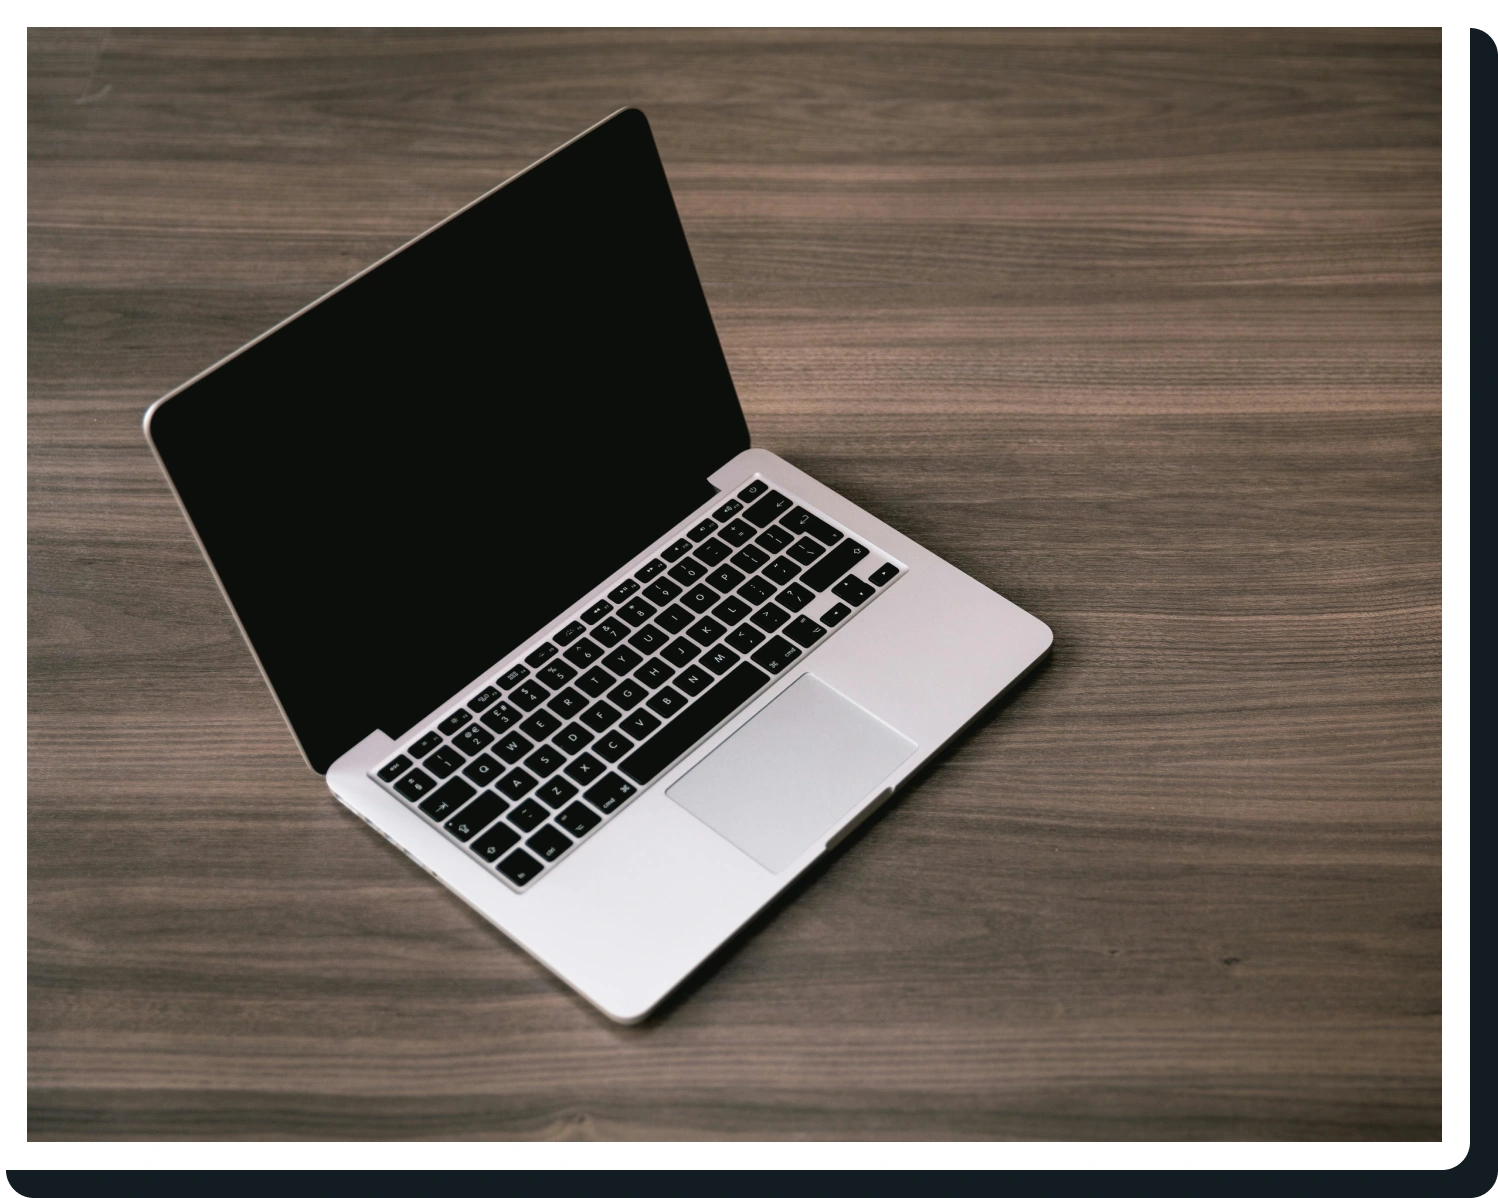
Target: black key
836,613
706,528
800,520
516,783
769,617
425,745
483,698
482,770
689,571
578,820
624,590
513,747
585,768
454,722
766,508
501,716
599,716
540,654
609,793
754,490
880,576
720,660
776,653
774,539
446,799
597,611
679,652
662,591
732,610
609,633
674,618
725,578
556,792
694,680
627,694
756,590
612,746
731,508
394,769
666,702
584,653
415,784
795,597
573,738
700,597
706,713
834,565
444,761
549,843
712,551
622,660
805,632
637,611
478,814
650,638
744,638
805,551
736,533
541,725
648,571
520,867
570,633
495,841
472,739
568,703
706,630
854,590
749,559
528,815
557,675
781,571
654,672
545,761
672,552
640,724
514,676
595,681
528,696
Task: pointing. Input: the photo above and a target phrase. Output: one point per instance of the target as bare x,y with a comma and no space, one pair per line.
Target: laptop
490,521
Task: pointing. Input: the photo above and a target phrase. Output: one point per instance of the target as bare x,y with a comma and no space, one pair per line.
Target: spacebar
700,718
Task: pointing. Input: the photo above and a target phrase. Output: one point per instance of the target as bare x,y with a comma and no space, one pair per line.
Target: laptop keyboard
534,762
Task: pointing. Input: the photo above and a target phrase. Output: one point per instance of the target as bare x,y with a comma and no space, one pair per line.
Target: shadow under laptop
700,976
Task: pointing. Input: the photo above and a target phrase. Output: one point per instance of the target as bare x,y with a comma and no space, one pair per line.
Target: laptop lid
402,482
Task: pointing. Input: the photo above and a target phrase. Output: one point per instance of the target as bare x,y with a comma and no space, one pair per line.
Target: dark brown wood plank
1141,328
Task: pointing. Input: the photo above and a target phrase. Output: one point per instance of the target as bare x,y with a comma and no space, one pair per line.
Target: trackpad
776,785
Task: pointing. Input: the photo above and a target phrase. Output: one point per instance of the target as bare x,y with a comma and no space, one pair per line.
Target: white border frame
1456,634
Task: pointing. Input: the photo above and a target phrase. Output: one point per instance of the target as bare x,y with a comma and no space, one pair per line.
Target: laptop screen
408,479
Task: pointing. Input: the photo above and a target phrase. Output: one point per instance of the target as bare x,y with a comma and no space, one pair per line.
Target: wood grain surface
1139,328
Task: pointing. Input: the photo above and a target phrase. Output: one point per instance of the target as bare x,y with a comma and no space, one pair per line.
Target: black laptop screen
403,483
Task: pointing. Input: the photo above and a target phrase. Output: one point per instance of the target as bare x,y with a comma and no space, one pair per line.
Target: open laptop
489,519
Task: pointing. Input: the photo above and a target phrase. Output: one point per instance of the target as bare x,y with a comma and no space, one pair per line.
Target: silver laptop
489,519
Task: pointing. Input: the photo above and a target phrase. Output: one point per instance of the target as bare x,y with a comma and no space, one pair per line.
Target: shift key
832,567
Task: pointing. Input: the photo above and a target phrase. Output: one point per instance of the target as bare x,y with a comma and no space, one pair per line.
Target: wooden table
1141,329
